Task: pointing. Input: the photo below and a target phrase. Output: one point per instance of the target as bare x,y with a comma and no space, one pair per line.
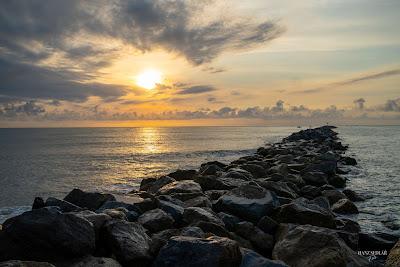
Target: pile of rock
279,207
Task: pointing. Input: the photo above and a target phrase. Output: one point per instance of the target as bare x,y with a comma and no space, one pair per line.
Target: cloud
145,25
213,70
355,80
391,105
359,103
197,89
29,108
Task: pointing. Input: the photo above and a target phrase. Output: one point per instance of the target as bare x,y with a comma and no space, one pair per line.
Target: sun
149,79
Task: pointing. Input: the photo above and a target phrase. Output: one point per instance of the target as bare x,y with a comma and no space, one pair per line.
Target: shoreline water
291,184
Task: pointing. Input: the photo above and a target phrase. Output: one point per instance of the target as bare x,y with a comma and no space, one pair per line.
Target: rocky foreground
283,206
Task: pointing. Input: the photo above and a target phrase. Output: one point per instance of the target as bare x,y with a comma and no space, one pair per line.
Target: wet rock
185,187
327,167
310,191
268,225
175,211
156,220
210,169
18,263
333,196
192,231
159,183
352,195
337,181
160,239
344,206
180,175
183,251
217,163
31,236
280,188
116,204
38,203
195,214
128,242
238,173
146,183
348,161
62,204
315,178
256,170
229,220
261,241
249,202
302,211
89,200
306,245
251,258
393,259
347,225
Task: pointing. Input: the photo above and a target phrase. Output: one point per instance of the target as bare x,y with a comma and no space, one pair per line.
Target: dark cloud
278,106
197,89
359,103
362,78
26,81
392,105
29,108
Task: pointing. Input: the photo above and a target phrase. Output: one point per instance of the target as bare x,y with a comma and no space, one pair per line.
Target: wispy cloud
355,80
197,89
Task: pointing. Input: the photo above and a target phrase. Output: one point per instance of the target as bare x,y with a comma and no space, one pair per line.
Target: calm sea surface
51,162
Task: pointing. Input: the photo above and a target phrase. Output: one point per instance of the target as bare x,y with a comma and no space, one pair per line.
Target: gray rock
255,169
38,203
393,259
159,183
116,204
89,200
160,239
253,259
238,173
212,228
280,188
229,220
333,196
156,220
90,261
64,206
175,211
145,204
315,178
183,251
118,213
344,206
312,246
46,234
193,231
337,181
18,263
200,201
186,186
261,241
310,191
352,195
211,169
195,214
128,242
180,175
268,225
249,202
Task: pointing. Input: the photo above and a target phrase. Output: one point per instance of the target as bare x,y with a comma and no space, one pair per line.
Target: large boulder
250,202
344,206
46,234
183,251
128,242
195,214
185,187
306,245
393,259
89,200
303,211
156,220
64,206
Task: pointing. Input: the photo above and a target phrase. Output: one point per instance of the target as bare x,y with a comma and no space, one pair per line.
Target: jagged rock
315,178
145,184
97,219
156,220
215,194
38,203
128,242
145,204
344,206
64,206
333,196
159,183
117,204
175,211
160,239
217,163
89,200
249,202
337,181
303,211
280,188
90,261
310,191
262,241
212,228
118,213
353,196
251,258
46,234
193,231
256,170
281,169
180,175
185,187
200,201
393,259
238,173
211,169
268,225
195,214
229,220
306,245
17,263
183,251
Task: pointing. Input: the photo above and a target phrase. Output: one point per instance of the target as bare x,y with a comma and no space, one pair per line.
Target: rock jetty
283,206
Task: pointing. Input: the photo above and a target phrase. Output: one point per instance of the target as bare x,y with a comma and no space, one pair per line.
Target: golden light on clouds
148,79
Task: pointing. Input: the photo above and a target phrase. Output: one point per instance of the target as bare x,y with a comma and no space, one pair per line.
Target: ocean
53,161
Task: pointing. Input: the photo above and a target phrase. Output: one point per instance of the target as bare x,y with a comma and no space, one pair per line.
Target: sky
70,63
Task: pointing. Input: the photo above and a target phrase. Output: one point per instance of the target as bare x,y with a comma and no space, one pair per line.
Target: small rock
38,203
175,211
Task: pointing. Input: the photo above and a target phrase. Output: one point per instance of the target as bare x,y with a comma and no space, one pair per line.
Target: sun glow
149,79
